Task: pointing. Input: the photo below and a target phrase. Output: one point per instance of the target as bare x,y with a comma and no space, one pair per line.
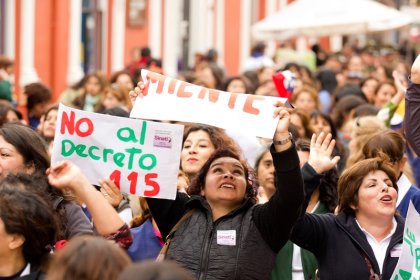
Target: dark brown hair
29,145
26,213
151,270
36,93
218,136
88,257
389,142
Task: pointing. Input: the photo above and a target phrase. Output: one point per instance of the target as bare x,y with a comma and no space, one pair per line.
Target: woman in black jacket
364,239
228,236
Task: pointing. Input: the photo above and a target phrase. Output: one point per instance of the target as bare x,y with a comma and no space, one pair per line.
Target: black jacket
340,246
260,230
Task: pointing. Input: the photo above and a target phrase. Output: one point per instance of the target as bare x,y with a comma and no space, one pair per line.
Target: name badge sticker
396,251
226,237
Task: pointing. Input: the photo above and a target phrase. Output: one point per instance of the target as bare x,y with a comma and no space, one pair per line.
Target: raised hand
111,192
139,91
65,174
282,129
320,153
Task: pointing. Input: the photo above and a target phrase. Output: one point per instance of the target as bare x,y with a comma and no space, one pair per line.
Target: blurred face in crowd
111,101
48,128
12,116
265,174
319,125
11,161
265,74
206,75
267,88
196,151
236,86
124,81
369,89
93,86
377,197
384,94
305,102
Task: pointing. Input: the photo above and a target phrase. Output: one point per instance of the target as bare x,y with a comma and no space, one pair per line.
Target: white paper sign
408,266
171,99
141,157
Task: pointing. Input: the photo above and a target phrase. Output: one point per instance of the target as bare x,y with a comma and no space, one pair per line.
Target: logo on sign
164,141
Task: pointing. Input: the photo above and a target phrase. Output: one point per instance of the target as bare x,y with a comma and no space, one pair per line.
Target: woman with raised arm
361,240
225,234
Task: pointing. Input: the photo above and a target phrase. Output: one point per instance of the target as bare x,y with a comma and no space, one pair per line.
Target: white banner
139,156
408,266
170,99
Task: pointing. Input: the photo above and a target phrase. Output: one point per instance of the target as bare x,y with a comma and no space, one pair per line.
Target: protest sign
141,157
408,266
170,99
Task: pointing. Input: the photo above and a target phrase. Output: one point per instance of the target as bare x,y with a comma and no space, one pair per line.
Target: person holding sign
223,233
363,241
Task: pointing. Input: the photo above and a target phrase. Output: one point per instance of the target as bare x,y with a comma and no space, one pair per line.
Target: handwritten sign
171,99
408,266
141,157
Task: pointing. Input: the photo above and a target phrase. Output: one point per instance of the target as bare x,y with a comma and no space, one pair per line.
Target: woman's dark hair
199,180
389,142
88,257
26,213
327,80
36,93
218,136
6,108
29,145
327,118
343,108
243,79
151,270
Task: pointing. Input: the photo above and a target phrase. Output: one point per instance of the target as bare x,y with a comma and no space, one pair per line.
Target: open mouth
386,198
227,186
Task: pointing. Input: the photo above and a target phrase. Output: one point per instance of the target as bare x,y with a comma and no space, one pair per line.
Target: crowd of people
325,198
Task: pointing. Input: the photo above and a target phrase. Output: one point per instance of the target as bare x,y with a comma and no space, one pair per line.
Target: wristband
285,140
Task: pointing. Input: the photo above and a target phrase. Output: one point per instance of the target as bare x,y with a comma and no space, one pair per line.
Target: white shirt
379,248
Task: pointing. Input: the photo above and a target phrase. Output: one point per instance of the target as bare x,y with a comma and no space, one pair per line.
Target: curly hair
199,181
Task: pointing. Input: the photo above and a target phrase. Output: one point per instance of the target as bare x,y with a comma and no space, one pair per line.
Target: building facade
58,41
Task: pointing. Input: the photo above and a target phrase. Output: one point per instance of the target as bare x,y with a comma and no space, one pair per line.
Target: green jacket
283,267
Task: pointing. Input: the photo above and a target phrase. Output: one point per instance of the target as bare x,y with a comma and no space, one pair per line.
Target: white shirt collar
379,248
